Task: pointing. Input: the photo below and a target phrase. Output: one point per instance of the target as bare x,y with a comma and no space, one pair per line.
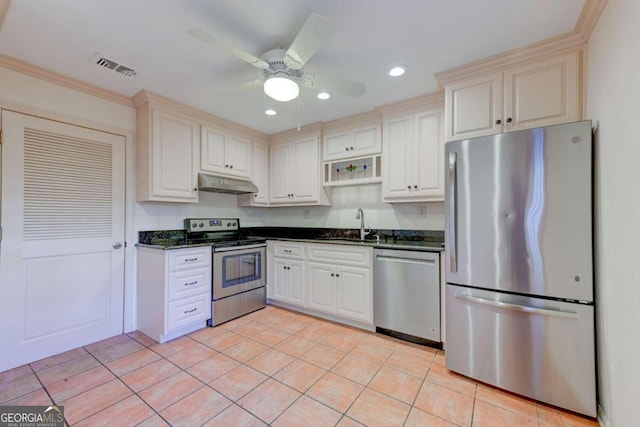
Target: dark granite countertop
416,240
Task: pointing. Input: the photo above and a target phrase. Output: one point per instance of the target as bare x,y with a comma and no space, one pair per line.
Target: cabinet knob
337,275
255,194
351,148
195,189
508,119
284,267
226,166
230,166
346,148
498,121
415,186
332,274
408,187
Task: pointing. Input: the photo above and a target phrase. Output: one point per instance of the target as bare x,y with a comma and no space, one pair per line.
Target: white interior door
61,267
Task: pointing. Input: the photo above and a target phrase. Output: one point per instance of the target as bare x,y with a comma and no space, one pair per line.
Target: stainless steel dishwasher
406,295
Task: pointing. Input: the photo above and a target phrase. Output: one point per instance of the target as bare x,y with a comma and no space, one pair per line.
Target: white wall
613,91
342,213
378,215
29,95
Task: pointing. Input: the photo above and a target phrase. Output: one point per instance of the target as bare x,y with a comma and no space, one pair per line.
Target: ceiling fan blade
247,57
333,84
243,87
313,34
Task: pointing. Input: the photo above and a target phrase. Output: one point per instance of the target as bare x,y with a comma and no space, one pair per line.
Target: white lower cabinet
322,278
344,291
288,284
286,268
174,291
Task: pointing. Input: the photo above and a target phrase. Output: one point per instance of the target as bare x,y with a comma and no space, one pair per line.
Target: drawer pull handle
191,283
190,259
190,311
286,251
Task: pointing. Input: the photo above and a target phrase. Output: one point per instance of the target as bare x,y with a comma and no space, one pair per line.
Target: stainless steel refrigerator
518,234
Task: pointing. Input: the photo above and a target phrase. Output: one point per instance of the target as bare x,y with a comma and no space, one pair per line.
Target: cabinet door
542,93
397,167
473,107
174,157
280,276
353,293
366,140
238,156
261,174
305,170
428,155
296,282
336,146
322,291
279,173
213,147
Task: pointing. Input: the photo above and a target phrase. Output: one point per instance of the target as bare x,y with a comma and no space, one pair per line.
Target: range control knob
201,225
228,224
234,224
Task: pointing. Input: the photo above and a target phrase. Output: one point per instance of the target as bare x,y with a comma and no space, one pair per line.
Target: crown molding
145,96
545,48
589,17
312,129
574,40
4,9
53,77
430,101
362,119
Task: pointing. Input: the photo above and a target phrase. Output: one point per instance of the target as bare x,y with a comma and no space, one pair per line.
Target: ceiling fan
282,73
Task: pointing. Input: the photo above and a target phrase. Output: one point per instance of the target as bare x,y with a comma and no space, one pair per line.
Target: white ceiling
367,37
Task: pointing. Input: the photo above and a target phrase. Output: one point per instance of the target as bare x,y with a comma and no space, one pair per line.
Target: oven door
238,269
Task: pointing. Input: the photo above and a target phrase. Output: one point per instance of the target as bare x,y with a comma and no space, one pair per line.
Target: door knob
117,245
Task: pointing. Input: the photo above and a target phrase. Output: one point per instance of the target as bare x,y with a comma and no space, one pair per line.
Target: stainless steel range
238,267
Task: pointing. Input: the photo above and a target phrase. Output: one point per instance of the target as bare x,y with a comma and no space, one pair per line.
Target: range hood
218,184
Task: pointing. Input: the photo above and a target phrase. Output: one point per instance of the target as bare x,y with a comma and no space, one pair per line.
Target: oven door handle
239,248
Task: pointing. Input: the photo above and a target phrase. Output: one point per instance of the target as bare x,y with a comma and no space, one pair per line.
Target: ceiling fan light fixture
270,112
324,95
397,71
281,89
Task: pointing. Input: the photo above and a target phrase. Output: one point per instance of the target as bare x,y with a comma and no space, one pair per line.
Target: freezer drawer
538,348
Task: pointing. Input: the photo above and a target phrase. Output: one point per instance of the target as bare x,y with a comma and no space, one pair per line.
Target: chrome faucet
360,216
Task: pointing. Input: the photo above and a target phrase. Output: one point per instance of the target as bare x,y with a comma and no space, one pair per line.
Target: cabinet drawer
188,283
288,250
338,254
181,259
189,310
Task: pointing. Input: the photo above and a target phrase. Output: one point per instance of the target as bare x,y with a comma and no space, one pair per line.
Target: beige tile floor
272,367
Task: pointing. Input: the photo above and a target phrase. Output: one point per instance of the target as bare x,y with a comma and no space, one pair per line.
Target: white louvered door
61,271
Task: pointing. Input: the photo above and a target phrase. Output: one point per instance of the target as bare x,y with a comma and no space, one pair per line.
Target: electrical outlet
307,213
422,211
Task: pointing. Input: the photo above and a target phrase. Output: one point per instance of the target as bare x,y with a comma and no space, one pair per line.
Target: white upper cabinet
354,142
167,154
540,93
225,154
294,171
260,178
413,157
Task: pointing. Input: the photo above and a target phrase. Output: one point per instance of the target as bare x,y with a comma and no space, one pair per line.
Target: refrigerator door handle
518,308
451,198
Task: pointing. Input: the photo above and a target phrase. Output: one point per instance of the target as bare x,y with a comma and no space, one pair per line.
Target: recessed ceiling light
324,95
397,71
270,112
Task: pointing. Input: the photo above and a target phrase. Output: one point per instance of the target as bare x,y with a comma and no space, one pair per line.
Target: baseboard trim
602,418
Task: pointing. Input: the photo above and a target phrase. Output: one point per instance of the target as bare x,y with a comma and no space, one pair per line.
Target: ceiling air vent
101,61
